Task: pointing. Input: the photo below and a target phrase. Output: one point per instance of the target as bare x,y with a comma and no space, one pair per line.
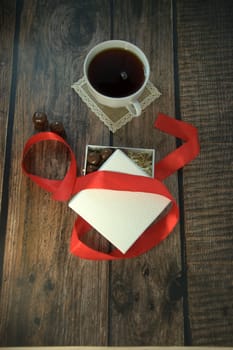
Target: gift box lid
120,216
121,163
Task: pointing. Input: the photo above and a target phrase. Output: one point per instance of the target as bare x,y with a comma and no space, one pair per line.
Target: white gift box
134,154
120,216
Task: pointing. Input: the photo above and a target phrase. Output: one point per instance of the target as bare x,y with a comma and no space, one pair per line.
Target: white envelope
120,216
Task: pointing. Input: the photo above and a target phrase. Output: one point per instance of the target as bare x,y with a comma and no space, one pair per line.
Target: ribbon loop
61,189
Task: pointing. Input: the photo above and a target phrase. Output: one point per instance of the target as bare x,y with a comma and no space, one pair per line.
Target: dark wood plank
143,309
7,27
206,93
48,296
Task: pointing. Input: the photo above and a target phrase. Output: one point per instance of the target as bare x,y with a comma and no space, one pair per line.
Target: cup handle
134,108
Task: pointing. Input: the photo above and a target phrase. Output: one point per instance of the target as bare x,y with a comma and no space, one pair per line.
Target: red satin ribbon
71,184
182,155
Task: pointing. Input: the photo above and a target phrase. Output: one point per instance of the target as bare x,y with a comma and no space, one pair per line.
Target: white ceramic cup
130,102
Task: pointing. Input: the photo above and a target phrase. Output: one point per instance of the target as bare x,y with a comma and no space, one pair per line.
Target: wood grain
206,92
143,309
48,296
118,348
7,26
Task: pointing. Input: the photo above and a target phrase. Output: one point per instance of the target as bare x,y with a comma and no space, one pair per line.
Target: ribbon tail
183,154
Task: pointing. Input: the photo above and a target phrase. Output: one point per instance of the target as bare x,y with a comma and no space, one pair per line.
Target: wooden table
179,293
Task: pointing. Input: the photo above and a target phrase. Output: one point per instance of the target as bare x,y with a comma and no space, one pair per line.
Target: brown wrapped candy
40,121
91,168
58,128
93,158
105,153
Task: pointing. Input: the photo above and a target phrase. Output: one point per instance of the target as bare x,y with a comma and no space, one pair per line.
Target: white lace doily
114,118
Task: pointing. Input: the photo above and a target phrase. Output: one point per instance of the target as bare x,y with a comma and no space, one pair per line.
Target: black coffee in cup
116,72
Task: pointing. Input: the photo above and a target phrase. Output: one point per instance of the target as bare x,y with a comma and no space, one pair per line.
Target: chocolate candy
93,158
91,168
105,153
58,128
40,121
